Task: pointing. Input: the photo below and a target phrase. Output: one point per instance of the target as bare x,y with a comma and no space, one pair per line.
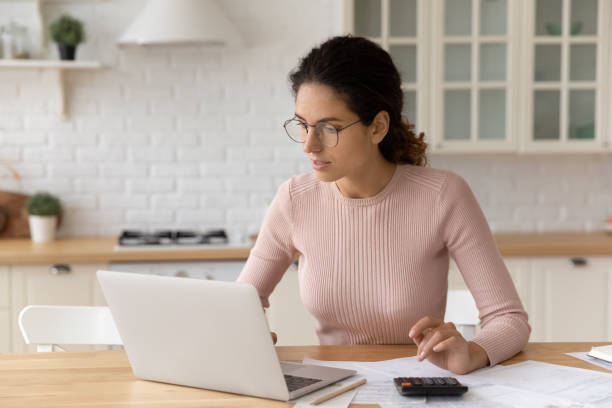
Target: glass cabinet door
395,25
473,81
564,87
499,75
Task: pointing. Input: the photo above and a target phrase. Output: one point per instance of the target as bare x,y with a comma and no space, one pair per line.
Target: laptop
206,334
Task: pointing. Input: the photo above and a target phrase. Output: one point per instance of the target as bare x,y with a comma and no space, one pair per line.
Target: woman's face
357,145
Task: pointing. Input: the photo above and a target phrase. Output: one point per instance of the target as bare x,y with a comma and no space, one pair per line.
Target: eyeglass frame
315,128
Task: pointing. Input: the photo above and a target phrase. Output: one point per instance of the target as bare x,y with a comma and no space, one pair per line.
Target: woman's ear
379,127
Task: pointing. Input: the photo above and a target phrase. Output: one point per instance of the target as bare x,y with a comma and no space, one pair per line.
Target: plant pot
42,228
67,52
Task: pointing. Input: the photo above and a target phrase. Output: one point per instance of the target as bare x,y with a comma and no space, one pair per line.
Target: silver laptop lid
205,334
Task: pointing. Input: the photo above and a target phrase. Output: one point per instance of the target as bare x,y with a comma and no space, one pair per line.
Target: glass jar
7,42
15,41
21,42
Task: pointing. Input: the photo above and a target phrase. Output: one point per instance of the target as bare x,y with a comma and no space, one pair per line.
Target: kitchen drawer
43,285
214,270
4,287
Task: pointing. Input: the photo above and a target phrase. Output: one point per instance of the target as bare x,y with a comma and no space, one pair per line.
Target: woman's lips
320,164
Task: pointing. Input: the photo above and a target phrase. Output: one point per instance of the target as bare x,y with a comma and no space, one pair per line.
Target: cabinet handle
578,262
59,269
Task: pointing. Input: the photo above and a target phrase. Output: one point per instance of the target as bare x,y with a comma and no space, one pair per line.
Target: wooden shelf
56,66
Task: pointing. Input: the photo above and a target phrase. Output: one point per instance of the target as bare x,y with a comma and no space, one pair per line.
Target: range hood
166,22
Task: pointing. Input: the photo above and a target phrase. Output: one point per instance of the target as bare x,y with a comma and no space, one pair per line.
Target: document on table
525,385
583,387
380,388
582,355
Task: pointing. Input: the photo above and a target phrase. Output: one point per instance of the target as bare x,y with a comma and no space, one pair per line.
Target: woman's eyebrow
328,119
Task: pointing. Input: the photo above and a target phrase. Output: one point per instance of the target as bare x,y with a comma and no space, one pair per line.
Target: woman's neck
368,182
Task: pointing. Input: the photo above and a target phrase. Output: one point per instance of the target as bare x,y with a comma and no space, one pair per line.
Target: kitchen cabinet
5,331
567,298
399,27
74,284
566,94
5,321
573,299
498,75
287,316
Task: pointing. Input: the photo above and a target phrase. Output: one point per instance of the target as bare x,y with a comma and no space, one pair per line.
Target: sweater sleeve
273,251
504,327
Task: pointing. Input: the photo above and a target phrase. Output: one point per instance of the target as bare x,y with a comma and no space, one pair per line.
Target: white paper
379,388
490,387
585,357
500,396
581,386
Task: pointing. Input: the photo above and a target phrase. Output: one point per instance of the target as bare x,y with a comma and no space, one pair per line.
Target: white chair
48,326
462,311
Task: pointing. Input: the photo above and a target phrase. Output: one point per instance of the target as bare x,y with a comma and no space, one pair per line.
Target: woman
374,227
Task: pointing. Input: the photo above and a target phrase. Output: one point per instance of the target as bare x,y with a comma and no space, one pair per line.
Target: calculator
429,386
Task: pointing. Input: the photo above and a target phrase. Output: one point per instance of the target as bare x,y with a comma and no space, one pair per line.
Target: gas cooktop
171,238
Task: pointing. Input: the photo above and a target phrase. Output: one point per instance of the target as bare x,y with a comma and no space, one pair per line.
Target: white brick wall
538,192
191,137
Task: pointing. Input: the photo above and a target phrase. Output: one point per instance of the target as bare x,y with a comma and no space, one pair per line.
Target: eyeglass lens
326,133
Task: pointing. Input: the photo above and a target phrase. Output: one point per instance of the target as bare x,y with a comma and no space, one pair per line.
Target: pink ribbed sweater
370,268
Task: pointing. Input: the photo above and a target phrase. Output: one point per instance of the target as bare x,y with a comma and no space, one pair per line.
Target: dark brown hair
365,76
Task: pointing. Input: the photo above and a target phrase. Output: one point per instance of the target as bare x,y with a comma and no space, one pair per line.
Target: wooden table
104,378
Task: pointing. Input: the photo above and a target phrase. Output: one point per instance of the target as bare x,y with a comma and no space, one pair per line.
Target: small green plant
44,204
67,30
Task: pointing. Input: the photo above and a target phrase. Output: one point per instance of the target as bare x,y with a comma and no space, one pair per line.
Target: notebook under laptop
205,334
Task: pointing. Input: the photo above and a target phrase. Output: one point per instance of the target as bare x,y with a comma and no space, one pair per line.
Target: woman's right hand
274,338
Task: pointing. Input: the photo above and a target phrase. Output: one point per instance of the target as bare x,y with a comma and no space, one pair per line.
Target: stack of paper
525,385
602,353
584,356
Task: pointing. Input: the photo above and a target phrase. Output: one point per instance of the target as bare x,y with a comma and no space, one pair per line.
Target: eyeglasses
297,130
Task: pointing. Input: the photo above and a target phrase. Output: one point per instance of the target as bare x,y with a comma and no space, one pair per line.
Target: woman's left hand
444,346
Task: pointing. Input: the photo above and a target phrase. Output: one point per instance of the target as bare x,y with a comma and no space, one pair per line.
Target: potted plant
44,210
67,32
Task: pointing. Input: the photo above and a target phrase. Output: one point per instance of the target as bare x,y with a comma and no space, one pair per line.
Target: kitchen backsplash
191,136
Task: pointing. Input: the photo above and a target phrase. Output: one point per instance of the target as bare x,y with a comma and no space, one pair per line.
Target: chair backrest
48,326
462,311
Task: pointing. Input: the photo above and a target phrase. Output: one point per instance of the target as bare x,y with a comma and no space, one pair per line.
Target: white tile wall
192,137
538,192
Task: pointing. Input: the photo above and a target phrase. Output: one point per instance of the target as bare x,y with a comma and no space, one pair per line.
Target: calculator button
451,381
417,381
428,381
406,384
439,381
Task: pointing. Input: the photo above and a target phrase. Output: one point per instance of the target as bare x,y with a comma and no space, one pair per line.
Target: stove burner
172,237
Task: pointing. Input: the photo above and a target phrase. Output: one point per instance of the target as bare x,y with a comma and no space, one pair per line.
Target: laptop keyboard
295,383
